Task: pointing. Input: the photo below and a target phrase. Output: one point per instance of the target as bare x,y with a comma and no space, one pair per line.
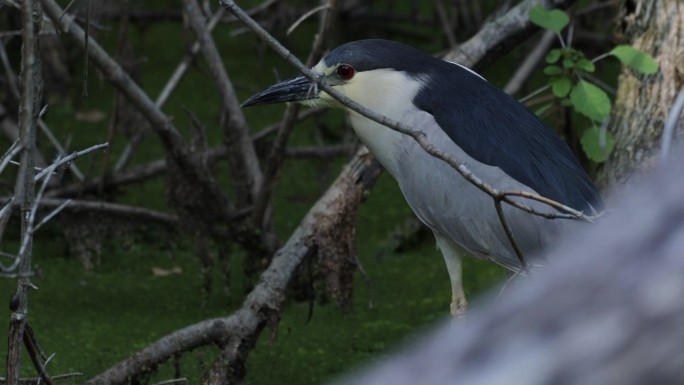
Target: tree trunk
643,101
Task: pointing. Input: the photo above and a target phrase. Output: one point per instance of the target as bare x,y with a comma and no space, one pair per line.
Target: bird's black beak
292,90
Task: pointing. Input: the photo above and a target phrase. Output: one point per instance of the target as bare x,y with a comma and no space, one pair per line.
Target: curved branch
264,304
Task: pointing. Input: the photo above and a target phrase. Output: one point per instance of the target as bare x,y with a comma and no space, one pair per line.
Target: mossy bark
643,101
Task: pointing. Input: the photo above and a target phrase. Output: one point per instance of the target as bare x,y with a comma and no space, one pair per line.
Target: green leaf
635,59
568,63
553,55
553,70
590,101
597,144
561,86
554,20
585,65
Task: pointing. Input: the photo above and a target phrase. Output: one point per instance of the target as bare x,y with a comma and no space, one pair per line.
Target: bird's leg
459,304
451,253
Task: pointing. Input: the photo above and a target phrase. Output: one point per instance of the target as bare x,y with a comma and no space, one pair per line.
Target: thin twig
69,158
52,213
14,149
305,16
171,84
36,380
670,125
243,161
509,235
447,28
274,160
418,136
530,63
173,381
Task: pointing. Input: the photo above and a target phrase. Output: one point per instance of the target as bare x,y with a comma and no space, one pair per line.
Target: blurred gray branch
609,310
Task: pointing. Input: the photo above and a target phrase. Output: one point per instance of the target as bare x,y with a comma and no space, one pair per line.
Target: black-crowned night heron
460,113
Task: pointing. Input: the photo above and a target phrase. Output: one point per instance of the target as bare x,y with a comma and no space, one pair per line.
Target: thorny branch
418,136
31,86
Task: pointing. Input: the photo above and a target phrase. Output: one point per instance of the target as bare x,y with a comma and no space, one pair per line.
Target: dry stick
274,128
510,235
321,152
10,76
69,158
155,168
502,33
244,164
275,157
45,129
530,63
137,213
31,83
14,149
171,84
305,16
11,79
167,132
447,28
36,354
30,229
670,125
145,171
36,380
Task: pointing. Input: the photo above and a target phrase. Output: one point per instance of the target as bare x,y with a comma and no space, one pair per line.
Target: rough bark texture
609,310
643,101
31,87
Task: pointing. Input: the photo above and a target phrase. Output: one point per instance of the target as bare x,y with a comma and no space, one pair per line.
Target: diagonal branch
264,304
500,34
244,164
167,132
274,160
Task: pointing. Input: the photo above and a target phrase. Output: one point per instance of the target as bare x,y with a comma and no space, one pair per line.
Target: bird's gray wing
495,129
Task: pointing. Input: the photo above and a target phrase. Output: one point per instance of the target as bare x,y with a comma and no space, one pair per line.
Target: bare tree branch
275,157
11,152
69,158
31,88
530,63
500,34
264,304
245,171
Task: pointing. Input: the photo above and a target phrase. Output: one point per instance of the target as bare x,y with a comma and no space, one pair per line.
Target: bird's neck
388,93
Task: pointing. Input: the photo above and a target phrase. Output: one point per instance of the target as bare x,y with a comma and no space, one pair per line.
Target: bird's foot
459,306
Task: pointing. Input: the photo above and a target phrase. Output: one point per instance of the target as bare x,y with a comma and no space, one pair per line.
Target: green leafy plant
567,69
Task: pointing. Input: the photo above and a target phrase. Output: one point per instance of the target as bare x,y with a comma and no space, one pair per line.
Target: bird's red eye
345,71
